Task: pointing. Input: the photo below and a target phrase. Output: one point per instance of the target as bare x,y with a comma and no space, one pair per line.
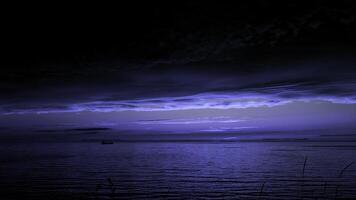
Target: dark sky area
161,56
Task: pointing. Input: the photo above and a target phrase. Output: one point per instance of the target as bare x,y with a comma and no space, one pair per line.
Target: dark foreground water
177,170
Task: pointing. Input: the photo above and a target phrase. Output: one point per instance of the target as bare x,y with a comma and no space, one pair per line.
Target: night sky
184,67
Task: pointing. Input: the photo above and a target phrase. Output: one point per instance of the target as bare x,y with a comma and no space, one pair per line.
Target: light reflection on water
177,170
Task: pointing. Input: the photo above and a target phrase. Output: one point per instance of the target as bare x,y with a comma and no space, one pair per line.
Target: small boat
107,142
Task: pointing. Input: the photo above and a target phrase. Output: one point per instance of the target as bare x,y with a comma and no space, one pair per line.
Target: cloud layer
257,97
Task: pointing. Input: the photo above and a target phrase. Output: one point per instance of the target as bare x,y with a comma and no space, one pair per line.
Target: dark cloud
161,53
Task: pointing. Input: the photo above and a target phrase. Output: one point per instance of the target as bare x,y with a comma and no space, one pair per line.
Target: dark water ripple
175,171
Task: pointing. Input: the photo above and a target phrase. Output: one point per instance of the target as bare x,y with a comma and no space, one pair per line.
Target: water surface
177,170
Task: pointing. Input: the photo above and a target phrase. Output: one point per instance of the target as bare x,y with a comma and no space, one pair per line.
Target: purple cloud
200,101
187,121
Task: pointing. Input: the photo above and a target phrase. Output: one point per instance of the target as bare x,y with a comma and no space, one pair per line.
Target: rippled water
177,170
